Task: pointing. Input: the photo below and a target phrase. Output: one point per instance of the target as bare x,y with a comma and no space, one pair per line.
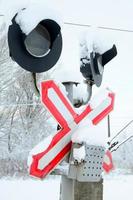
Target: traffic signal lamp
40,49
93,69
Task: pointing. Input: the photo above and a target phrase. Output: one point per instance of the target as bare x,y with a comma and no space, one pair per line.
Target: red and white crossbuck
63,111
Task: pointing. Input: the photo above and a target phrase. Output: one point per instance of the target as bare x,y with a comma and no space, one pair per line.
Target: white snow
90,134
46,9
30,17
115,186
87,132
68,70
81,92
79,153
10,9
97,100
93,40
118,187
30,189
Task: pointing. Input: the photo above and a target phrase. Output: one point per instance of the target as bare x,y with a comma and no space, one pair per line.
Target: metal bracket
90,170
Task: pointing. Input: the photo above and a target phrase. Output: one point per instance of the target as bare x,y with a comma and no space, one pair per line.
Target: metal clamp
90,170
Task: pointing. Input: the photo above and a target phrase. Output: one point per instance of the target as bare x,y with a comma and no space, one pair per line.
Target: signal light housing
94,68
39,50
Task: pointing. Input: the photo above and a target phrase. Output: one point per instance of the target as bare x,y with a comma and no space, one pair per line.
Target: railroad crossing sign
63,111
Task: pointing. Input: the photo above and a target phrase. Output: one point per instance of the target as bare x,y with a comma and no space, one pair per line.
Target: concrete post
109,131
74,190
88,191
67,185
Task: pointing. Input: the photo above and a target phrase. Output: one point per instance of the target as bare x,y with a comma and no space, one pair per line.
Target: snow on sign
63,111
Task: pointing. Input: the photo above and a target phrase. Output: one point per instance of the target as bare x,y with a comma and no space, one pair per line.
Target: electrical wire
100,27
120,131
120,144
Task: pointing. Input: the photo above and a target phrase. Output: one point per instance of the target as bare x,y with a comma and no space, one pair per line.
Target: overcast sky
113,14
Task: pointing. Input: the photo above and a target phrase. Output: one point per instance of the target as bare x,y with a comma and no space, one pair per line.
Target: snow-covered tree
23,119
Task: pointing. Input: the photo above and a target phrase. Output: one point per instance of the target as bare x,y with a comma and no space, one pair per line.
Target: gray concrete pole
74,190
109,133
67,185
88,191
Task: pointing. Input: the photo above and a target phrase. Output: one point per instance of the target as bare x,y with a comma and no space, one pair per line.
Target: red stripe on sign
45,86
52,108
51,84
42,173
56,139
108,166
83,114
105,112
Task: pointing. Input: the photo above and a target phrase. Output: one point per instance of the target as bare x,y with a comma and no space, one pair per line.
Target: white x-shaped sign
63,111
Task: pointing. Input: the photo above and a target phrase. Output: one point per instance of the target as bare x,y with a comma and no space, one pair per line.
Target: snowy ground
115,187
29,189
118,188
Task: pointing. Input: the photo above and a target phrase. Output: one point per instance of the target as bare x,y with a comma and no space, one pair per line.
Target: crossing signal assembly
40,49
92,70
